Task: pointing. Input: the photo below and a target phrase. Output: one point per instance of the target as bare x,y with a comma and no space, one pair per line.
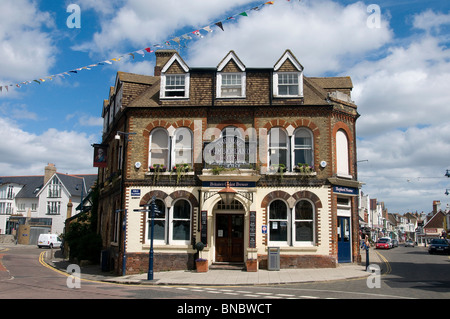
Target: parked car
439,246
394,243
49,240
409,243
383,243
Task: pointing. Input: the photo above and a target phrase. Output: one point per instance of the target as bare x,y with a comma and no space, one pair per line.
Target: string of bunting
176,41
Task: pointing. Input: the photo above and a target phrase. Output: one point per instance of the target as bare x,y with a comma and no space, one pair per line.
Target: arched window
159,233
278,147
181,221
278,222
342,162
303,147
304,223
159,147
183,146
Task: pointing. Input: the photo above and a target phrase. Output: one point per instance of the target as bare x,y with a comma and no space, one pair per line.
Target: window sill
291,173
175,98
168,247
293,248
231,97
288,96
168,173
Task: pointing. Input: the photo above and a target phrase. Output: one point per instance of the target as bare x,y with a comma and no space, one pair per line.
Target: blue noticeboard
135,192
345,190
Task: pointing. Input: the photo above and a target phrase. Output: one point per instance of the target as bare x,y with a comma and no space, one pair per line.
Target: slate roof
33,184
315,90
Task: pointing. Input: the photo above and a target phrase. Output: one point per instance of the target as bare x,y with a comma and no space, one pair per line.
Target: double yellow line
44,263
386,262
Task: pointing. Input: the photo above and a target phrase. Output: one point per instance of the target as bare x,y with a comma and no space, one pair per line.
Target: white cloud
141,23
25,50
70,151
430,20
406,88
316,31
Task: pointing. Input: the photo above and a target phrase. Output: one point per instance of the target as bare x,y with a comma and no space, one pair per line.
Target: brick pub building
280,144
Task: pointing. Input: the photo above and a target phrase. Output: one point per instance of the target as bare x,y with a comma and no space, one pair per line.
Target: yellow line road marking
386,262
43,263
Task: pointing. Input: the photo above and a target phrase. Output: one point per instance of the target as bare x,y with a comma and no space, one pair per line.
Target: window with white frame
182,149
53,208
342,158
159,224
294,227
278,223
171,226
303,147
288,84
159,147
181,222
175,85
278,148
54,188
304,223
231,85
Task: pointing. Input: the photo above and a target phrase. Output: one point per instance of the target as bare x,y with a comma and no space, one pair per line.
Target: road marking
285,295
2,268
386,262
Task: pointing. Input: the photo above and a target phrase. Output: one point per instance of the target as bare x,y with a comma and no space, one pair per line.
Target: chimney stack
162,57
50,170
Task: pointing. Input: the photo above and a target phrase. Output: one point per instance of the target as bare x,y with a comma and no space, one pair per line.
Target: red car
383,243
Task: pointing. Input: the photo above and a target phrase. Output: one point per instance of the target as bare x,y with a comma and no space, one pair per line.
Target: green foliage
82,237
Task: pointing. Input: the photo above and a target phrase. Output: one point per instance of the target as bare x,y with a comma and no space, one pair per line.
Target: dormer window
288,77
175,85
288,84
231,79
231,85
175,79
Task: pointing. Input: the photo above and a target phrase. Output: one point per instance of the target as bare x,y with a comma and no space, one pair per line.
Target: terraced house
240,159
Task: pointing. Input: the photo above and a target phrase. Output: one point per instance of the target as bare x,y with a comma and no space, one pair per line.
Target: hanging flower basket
157,168
304,168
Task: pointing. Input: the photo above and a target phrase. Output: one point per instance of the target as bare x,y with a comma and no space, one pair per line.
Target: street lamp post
150,207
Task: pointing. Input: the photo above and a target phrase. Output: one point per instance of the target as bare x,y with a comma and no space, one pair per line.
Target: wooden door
229,237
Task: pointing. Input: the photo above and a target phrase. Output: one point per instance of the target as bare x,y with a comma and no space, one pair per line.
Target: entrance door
230,237
344,241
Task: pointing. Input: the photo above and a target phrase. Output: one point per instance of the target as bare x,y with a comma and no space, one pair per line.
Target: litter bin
273,258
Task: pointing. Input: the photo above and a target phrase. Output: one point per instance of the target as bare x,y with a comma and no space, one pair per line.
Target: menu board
252,230
204,227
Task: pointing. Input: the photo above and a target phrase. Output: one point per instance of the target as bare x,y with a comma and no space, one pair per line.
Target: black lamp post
153,209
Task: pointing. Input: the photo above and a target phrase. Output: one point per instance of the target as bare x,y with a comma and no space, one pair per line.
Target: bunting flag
178,40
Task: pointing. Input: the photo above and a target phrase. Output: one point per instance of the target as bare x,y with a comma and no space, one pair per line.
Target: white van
49,240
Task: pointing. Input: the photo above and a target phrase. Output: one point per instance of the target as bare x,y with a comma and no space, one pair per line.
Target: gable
287,66
236,65
288,60
183,67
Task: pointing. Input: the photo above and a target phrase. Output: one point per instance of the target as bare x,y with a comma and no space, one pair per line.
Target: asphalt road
406,273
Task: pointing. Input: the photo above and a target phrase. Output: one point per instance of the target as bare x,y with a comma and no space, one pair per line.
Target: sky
396,52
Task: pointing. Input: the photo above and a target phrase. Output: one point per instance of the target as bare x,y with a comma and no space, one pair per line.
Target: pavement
215,277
